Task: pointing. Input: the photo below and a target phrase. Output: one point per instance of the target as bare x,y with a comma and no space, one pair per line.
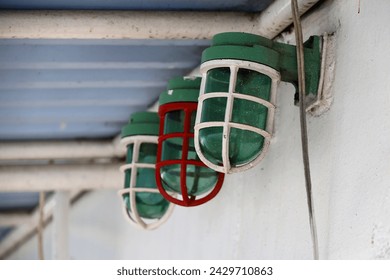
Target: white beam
144,25
14,219
60,177
110,84
70,103
51,150
94,65
277,17
119,24
16,238
60,237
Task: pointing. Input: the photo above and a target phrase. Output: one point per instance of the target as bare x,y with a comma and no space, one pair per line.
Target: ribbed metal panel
222,5
74,89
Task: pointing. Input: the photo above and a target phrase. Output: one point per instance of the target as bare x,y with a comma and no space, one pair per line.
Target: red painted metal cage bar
187,200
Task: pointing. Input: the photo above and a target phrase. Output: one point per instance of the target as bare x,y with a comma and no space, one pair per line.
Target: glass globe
149,205
244,145
199,179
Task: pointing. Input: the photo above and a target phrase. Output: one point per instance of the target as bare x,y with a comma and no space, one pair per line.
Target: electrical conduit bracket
320,103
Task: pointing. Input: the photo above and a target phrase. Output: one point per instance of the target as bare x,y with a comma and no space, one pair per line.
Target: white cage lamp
143,205
236,108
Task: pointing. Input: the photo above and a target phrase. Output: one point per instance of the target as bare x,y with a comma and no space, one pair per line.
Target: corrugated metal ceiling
72,89
201,5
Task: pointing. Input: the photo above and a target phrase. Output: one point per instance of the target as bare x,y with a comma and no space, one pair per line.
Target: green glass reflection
199,180
129,154
149,205
243,112
244,146
170,176
217,80
253,83
174,121
126,197
147,153
172,148
210,142
242,151
193,118
213,109
129,158
192,155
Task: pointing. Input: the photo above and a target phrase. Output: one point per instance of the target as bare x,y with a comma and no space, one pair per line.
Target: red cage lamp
179,170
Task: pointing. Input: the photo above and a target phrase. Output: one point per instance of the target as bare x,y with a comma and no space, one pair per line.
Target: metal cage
187,200
132,214
227,124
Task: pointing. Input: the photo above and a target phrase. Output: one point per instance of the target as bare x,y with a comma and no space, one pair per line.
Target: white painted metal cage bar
132,214
227,124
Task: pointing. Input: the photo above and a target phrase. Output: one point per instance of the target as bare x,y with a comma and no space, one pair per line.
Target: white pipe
119,24
144,25
277,17
48,150
60,177
13,219
16,238
60,237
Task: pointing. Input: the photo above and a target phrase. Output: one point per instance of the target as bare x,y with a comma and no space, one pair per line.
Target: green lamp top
181,89
240,39
242,46
279,56
142,123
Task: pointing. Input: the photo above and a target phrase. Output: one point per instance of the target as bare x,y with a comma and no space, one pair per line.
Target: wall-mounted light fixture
178,168
240,74
143,205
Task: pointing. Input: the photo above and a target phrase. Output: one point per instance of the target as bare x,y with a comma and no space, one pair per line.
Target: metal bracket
318,104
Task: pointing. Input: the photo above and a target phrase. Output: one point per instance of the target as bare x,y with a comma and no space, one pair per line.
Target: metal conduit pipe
52,150
145,25
60,177
21,233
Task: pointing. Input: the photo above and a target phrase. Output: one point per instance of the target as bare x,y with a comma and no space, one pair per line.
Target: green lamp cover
141,123
181,89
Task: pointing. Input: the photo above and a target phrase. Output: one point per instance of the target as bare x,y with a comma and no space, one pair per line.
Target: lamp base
319,104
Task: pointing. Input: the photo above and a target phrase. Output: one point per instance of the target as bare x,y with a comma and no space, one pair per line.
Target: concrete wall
262,213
